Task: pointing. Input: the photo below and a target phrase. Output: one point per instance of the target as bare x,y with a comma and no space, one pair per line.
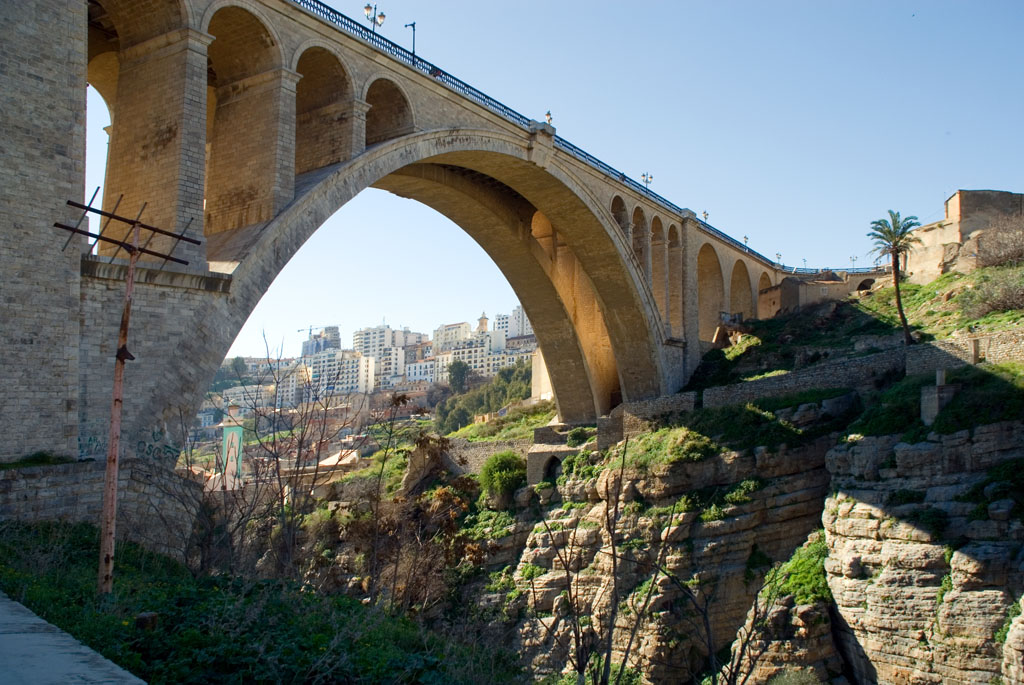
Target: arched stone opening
250,151
323,111
623,362
554,292
866,284
710,292
763,307
675,281
390,114
740,296
552,469
659,268
147,143
641,240
621,215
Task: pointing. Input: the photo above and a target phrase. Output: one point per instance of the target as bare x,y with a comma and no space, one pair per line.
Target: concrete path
34,652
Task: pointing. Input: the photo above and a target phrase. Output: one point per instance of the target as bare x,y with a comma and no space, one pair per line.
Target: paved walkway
34,652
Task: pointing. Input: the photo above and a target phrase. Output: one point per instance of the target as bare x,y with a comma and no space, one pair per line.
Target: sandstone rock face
925,557
719,553
799,639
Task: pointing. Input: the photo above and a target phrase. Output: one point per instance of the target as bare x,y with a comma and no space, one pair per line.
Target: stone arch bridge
251,122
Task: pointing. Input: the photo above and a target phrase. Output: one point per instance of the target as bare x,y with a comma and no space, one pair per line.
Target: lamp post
853,261
412,25
745,239
705,215
375,19
778,258
647,178
805,263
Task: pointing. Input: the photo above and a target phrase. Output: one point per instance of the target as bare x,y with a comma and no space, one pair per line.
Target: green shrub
487,525
503,473
803,576
1003,631
530,571
577,436
712,513
740,493
945,586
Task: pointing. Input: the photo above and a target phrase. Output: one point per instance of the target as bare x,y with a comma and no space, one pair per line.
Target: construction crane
319,328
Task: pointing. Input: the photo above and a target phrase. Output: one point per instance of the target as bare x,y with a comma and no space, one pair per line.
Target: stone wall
943,354
42,115
850,373
465,456
155,505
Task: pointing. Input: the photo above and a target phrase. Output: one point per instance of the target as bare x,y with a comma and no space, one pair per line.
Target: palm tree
893,237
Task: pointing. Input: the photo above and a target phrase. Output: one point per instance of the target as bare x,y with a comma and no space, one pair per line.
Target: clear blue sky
794,123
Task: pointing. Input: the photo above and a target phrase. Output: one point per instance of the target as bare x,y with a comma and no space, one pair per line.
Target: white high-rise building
518,324
339,372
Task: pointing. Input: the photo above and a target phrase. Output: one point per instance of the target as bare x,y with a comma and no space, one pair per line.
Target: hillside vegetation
987,300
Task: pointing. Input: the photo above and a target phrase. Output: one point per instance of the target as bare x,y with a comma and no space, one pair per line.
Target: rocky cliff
735,513
925,559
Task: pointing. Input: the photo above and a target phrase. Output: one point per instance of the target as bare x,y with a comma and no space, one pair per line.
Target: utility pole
108,521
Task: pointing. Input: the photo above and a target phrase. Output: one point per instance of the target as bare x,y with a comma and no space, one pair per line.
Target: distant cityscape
381,359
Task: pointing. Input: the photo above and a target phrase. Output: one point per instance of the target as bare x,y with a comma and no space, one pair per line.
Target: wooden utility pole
105,581
108,522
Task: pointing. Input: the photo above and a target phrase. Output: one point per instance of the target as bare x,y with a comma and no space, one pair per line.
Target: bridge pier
156,154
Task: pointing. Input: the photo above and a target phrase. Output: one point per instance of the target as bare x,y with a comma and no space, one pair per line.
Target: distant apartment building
447,335
515,325
371,342
247,397
294,385
422,370
329,338
339,372
390,366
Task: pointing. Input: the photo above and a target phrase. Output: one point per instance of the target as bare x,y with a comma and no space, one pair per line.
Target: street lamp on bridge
647,178
374,18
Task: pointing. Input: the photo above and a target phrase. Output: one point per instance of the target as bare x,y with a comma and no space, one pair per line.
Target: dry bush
999,291
1002,242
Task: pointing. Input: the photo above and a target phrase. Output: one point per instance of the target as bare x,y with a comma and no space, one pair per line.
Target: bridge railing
357,29
353,27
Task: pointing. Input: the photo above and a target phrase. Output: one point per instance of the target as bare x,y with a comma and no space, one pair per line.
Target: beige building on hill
956,243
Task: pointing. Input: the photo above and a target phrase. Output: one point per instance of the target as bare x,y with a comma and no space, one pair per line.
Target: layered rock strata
715,552
925,556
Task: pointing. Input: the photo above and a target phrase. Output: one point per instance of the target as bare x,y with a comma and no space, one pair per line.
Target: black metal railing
358,30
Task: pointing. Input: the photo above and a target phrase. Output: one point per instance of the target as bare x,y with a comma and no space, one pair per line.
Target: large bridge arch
603,360
710,292
740,295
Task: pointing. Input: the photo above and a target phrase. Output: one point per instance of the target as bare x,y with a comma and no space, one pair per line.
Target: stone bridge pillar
252,151
156,153
356,126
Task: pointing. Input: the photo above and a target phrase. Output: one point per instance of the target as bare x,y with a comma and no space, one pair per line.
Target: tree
458,374
894,237
239,366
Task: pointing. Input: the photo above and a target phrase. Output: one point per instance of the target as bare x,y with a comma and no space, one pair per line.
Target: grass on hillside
517,424
704,433
988,393
935,310
221,629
